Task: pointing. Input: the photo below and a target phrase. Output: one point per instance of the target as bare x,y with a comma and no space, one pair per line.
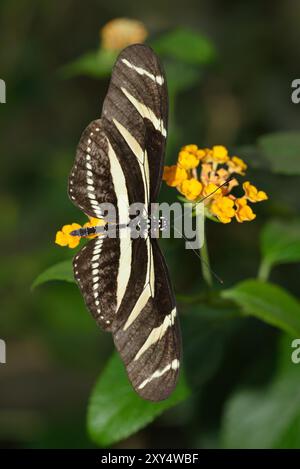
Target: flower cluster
64,238
122,32
199,173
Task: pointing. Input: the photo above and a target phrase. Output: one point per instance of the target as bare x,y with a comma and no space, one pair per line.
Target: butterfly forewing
135,115
90,181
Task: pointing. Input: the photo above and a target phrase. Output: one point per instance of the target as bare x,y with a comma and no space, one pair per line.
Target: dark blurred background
54,350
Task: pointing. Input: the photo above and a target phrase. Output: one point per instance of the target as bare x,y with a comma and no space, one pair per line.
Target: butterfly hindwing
96,269
146,331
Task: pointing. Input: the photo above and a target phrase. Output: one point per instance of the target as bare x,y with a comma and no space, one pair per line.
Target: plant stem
205,264
263,271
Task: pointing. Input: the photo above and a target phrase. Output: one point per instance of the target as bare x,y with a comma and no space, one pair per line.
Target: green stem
263,271
205,264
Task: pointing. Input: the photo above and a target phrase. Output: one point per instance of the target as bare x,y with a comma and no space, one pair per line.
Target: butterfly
124,280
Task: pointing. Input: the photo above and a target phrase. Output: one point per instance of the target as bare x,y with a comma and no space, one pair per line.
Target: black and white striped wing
146,329
126,286
96,268
119,159
124,281
90,180
134,116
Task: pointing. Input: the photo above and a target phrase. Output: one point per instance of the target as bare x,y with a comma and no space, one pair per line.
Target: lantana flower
122,32
200,173
64,238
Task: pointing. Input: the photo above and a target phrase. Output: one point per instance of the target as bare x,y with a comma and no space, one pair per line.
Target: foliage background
244,389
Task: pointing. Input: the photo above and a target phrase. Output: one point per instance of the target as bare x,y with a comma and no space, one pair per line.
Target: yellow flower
63,237
231,184
173,175
222,174
243,210
219,154
252,193
200,154
190,148
208,173
211,190
187,160
191,188
222,207
237,165
122,32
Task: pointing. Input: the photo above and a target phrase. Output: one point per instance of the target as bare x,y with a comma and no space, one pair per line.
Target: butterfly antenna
209,195
215,190
200,257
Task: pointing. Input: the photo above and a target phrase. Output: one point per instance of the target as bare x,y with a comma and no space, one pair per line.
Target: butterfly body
124,278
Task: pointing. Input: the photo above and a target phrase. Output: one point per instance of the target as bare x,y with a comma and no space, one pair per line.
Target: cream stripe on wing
124,265
174,365
151,268
139,305
131,141
141,156
119,184
148,290
146,112
141,71
157,333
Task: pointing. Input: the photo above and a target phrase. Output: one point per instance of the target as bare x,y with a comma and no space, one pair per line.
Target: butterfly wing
146,329
95,269
135,115
124,281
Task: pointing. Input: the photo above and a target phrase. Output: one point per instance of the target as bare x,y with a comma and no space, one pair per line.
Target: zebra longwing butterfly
125,281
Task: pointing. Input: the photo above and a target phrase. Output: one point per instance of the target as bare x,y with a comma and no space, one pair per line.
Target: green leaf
262,419
96,64
61,271
280,243
268,302
282,151
116,411
270,416
207,330
185,45
180,77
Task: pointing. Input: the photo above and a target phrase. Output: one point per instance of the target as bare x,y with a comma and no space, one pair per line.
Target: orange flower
187,160
63,237
207,172
237,165
222,208
243,210
220,154
122,32
211,190
253,194
191,188
190,148
174,175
